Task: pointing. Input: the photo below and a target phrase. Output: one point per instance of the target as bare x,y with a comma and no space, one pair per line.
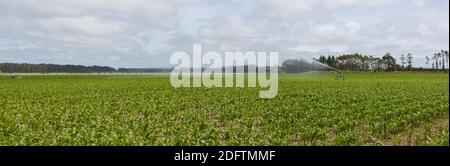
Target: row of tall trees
439,60
52,68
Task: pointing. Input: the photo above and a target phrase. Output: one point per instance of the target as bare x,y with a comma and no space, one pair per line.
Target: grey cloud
143,33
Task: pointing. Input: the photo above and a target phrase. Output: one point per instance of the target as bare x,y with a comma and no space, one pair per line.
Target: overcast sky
144,33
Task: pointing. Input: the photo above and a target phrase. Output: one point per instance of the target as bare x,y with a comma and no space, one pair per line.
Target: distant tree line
52,68
144,70
347,62
361,62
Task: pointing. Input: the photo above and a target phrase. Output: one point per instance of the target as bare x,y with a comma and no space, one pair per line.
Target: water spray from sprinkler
338,77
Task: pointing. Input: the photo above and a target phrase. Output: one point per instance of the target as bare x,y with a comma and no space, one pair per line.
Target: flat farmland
310,109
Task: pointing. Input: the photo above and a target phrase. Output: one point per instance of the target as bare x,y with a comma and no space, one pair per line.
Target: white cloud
11,23
353,27
161,11
84,25
317,48
16,45
289,8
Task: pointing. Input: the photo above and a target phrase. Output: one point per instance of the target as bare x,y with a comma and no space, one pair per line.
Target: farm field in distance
310,109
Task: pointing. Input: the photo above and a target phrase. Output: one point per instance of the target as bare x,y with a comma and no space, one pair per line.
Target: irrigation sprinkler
338,77
15,77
